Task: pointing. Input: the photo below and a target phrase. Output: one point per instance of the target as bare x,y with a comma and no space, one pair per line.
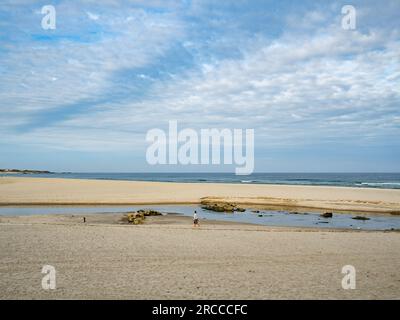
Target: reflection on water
263,217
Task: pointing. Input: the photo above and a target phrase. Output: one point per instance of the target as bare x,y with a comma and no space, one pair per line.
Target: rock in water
327,215
218,207
360,218
221,207
149,212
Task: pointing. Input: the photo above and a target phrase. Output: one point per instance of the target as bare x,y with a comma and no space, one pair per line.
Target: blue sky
83,96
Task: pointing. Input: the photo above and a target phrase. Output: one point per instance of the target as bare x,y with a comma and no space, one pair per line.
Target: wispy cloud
131,67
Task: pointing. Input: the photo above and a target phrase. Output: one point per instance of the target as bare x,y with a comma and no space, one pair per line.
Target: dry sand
166,258
16,190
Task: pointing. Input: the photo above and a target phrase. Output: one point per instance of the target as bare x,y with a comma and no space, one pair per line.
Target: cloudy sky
83,96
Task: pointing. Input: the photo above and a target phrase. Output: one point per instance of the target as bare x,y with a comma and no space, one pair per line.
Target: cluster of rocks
139,216
330,215
221,206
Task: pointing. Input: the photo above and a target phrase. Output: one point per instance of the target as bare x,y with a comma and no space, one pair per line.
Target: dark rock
326,215
360,218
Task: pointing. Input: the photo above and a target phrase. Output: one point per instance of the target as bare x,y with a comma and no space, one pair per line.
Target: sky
83,96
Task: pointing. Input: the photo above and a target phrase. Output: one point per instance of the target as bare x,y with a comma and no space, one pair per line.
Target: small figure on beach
195,220
84,219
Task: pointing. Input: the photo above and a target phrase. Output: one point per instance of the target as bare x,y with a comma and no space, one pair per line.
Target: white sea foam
380,183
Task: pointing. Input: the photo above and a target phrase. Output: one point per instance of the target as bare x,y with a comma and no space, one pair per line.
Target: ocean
364,180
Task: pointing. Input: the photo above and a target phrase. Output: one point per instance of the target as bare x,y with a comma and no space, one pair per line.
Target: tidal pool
263,217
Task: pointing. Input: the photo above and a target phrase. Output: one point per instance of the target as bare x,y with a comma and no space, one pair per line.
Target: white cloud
92,16
51,75
309,85
291,88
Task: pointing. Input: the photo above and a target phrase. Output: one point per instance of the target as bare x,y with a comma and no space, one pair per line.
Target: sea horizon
382,180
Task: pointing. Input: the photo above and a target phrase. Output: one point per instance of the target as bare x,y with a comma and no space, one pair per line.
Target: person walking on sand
195,220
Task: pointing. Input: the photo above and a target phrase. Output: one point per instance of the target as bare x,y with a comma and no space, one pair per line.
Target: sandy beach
20,190
165,258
